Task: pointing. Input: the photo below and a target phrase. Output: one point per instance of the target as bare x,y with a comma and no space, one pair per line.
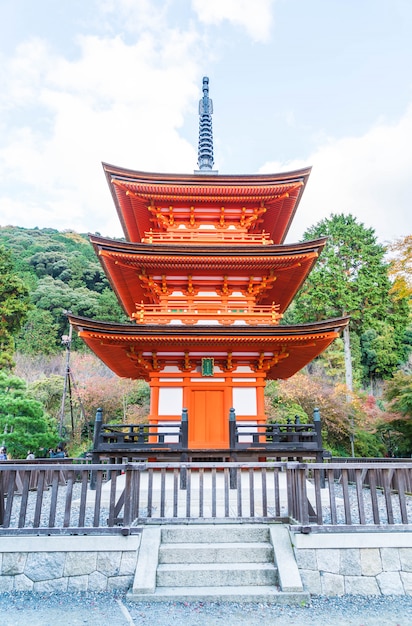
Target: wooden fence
292,440
366,462
125,496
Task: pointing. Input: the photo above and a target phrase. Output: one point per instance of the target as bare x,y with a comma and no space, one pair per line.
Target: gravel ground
22,609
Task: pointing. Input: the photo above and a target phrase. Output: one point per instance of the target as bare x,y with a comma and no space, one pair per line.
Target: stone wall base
335,564
330,564
67,564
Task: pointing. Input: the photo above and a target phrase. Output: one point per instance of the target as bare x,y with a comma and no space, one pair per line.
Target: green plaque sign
207,367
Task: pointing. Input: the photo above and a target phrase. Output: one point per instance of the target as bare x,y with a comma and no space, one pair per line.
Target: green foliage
139,393
340,417
14,303
49,392
351,277
23,423
396,437
63,273
379,351
398,391
39,334
368,444
281,409
401,266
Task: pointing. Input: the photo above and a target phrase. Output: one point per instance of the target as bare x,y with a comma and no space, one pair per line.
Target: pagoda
205,278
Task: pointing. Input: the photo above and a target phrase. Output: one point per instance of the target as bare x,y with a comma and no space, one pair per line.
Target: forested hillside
62,273
44,272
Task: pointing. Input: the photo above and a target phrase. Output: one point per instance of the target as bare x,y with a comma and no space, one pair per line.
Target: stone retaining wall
362,563
332,564
50,564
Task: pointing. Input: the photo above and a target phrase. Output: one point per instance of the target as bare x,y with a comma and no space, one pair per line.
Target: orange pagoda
205,278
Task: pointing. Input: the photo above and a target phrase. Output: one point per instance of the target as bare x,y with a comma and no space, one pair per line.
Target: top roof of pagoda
153,202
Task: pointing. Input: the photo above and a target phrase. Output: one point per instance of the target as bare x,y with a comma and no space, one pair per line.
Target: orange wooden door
208,424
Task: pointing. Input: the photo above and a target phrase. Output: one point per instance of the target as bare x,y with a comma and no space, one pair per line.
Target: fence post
1,498
98,423
302,496
318,427
184,434
232,446
291,489
232,429
184,430
319,444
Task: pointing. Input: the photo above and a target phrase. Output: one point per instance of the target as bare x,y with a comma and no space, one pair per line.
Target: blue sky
326,83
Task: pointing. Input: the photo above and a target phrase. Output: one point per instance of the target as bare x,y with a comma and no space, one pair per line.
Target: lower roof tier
138,351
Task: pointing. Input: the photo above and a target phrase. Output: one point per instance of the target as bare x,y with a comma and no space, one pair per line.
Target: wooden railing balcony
202,236
191,312
119,441
247,439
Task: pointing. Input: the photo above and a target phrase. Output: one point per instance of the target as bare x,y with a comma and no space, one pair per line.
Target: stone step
254,552
240,533
215,574
244,593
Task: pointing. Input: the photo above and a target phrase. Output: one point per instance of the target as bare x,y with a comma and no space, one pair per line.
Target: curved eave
114,343
134,215
124,261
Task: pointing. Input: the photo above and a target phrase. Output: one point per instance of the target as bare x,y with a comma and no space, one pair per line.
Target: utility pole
66,341
349,383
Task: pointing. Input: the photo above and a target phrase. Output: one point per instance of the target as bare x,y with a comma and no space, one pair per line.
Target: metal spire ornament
205,151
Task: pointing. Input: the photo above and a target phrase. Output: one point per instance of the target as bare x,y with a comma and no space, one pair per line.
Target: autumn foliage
342,414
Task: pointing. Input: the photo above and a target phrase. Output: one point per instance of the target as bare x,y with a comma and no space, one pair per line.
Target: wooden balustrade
191,312
202,237
364,495
246,439
125,496
379,475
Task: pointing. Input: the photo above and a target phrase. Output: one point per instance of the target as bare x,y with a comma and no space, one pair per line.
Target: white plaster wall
170,400
251,427
244,400
169,427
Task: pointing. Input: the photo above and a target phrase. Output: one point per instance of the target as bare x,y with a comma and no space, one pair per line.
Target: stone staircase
217,562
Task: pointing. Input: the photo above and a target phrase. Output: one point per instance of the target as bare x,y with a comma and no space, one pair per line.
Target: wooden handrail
207,236
222,312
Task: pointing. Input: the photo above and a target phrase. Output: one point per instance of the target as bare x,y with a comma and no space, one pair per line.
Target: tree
48,391
55,296
23,423
301,393
398,391
351,277
14,303
62,273
400,267
39,334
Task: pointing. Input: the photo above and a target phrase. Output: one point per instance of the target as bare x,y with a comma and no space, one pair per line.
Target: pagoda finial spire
205,151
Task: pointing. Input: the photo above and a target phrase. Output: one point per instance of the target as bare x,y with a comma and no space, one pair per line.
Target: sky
294,83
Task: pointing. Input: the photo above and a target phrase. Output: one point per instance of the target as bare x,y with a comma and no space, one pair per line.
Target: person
30,456
3,454
59,454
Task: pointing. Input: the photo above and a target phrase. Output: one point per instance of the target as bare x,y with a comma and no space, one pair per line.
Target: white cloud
117,103
135,16
368,176
255,16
